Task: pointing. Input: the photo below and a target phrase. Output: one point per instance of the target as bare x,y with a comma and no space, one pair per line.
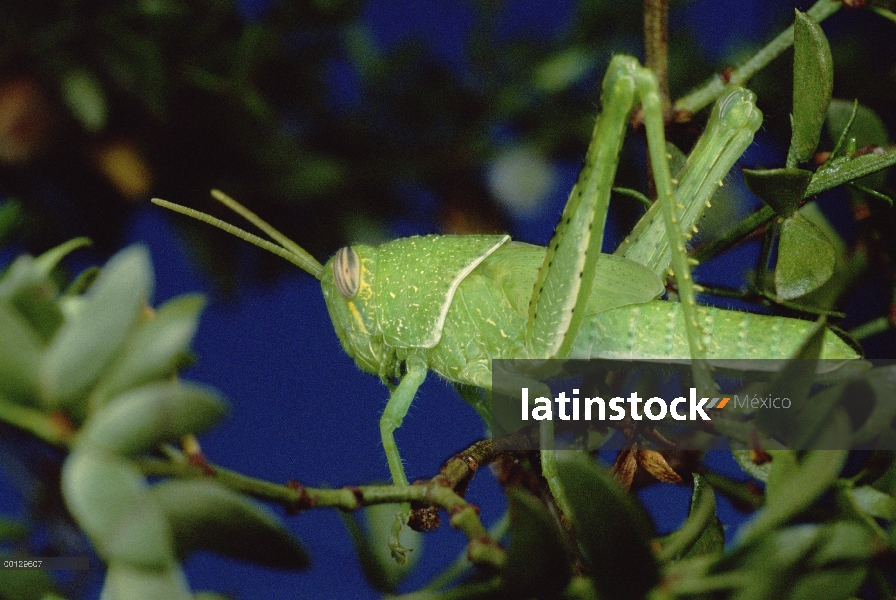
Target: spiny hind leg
656,147
564,283
564,280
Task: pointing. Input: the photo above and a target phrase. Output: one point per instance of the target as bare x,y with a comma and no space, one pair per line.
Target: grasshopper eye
347,272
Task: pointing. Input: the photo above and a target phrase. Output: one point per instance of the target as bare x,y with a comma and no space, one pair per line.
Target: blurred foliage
102,105
302,114
91,369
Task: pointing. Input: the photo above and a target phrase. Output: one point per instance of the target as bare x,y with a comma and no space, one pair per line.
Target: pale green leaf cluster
94,369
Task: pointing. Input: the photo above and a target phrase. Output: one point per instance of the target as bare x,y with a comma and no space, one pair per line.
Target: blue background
301,409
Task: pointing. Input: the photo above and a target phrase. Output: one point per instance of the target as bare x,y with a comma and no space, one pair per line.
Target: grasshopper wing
618,281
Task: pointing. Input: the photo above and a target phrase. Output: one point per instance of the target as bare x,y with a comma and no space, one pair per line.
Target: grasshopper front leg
732,123
563,287
396,409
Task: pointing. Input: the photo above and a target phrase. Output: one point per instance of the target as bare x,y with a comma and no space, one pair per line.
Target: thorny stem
461,565
712,89
455,475
461,467
482,548
459,470
656,46
438,492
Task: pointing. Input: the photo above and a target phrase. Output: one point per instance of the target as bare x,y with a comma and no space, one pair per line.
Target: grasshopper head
347,281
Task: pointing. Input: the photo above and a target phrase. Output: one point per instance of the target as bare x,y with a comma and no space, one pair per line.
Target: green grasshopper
450,304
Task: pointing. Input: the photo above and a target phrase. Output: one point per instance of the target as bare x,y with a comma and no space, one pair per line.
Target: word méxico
654,408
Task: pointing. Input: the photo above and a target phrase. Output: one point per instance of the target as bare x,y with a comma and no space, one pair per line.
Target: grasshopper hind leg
564,283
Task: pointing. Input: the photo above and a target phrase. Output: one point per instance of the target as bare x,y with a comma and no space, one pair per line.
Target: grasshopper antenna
286,249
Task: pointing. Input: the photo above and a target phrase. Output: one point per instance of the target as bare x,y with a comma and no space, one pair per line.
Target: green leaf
844,125
805,258
203,515
153,351
124,582
621,563
87,342
867,127
795,484
84,95
28,289
838,568
82,282
107,497
803,562
813,80
794,381
782,189
20,354
711,541
702,532
743,458
538,563
144,417
563,70
843,170
372,545
785,464
49,260
24,584
142,538
37,306
874,502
